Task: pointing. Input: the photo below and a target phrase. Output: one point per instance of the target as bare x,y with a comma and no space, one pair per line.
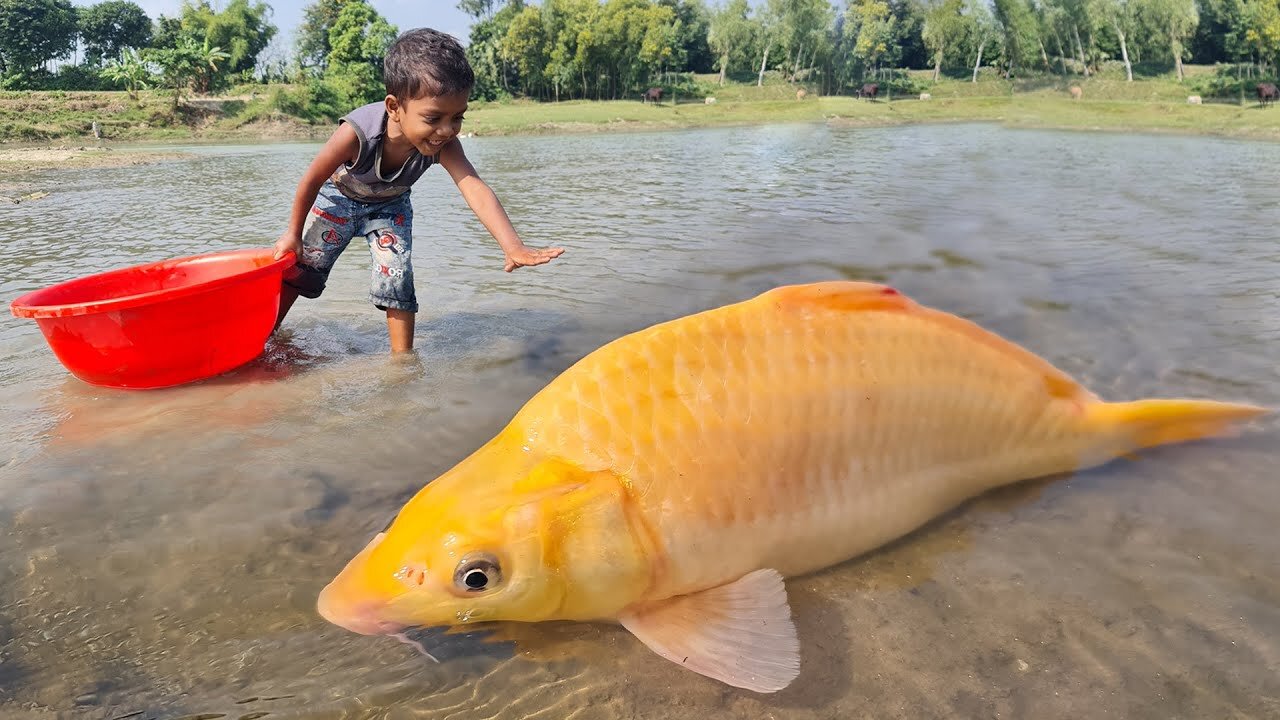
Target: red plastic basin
163,323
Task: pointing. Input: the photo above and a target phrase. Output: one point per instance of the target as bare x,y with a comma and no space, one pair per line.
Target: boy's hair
425,62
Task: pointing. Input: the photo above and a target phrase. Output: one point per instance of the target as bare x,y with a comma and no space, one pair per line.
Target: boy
358,184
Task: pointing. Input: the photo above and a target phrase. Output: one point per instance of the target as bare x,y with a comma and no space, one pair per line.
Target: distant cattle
800,94
1267,93
654,94
1194,100
869,90
926,96
1076,92
708,101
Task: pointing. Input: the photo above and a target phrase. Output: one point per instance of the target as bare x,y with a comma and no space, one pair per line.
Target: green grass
69,116
1046,108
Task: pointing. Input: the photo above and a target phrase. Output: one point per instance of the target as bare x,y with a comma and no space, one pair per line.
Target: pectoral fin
740,633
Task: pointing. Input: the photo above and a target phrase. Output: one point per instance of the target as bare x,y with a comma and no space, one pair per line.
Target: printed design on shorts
329,216
399,220
311,251
388,241
388,271
331,236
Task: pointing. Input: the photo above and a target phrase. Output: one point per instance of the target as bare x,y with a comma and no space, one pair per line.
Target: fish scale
807,421
670,479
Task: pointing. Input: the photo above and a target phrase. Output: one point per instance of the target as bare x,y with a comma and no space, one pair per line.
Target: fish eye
477,572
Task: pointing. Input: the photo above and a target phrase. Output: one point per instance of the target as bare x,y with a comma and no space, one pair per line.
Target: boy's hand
288,242
523,256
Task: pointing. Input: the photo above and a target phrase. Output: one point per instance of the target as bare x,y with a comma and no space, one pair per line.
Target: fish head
558,543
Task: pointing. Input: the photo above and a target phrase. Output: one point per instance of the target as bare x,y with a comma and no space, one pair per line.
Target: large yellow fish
671,479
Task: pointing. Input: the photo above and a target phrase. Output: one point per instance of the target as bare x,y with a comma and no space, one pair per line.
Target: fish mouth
359,618
345,604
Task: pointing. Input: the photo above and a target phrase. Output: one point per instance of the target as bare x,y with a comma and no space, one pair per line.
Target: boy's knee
309,282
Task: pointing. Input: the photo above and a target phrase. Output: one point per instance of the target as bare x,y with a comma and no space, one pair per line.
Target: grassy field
1044,109
42,117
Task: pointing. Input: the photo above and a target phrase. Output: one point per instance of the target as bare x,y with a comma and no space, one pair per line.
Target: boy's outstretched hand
523,256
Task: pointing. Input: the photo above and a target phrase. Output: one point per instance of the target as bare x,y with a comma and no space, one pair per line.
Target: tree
484,51
478,9
661,49
944,27
1220,34
982,28
872,27
768,27
358,43
525,47
179,65
110,27
35,32
313,34
732,35
1262,29
1122,16
241,30
129,70
691,34
800,27
1176,20
1021,35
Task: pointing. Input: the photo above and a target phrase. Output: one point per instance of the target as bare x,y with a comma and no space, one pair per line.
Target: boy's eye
431,120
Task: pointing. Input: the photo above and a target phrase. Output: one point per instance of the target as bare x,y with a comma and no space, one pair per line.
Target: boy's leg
390,235
326,232
400,329
288,294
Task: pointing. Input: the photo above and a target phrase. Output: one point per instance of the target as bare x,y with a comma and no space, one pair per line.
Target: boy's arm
340,148
484,203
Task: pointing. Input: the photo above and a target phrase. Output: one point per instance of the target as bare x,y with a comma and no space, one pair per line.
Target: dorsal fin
845,295
853,296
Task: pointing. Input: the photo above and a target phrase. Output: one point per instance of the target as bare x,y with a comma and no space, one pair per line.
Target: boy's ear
393,106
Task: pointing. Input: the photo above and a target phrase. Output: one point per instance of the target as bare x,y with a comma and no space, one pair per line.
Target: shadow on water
271,384
12,671
842,271
826,671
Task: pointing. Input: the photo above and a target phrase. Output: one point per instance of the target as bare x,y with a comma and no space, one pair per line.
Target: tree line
566,49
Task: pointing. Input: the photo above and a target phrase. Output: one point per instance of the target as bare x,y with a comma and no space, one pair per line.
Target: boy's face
429,122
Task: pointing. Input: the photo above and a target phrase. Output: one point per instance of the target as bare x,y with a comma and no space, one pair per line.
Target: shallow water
162,551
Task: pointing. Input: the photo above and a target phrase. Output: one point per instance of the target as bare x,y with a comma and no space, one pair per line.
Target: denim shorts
386,226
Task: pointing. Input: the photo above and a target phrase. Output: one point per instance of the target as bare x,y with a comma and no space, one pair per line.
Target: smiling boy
358,184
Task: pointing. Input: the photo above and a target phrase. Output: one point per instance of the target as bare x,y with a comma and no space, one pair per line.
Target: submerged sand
28,159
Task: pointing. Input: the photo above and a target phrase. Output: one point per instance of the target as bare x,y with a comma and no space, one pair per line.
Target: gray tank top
362,180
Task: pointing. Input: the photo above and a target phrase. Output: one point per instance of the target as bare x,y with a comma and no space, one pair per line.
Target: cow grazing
1194,100
1267,93
926,96
654,94
869,90
800,94
1076,92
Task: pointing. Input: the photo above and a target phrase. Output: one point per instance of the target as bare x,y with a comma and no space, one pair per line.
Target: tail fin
1160,422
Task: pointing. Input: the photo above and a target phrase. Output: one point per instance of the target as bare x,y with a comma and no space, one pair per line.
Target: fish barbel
672,478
